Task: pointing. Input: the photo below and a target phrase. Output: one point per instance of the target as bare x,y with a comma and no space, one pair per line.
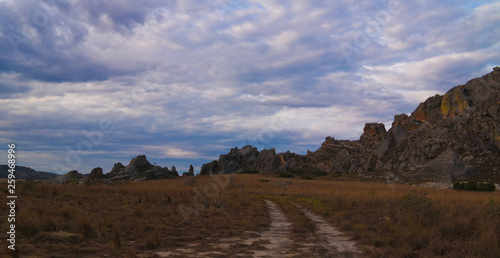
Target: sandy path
277,238
274,242
331,239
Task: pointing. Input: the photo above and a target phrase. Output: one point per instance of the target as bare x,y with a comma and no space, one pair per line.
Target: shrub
473,186
486,187
416,203
306,177
248,172
284,174
319,173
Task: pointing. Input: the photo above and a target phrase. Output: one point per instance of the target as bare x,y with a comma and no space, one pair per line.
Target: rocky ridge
138,169
26,173
447,138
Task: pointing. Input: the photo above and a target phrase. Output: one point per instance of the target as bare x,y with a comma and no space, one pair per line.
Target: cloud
185,81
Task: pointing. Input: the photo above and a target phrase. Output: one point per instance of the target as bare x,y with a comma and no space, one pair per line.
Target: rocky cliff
447,138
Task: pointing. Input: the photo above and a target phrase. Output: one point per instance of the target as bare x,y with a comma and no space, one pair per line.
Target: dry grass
392,220
137,218
119,220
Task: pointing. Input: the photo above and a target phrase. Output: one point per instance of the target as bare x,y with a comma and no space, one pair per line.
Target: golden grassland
134,219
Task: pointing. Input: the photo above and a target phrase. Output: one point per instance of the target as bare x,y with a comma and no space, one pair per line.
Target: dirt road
275,242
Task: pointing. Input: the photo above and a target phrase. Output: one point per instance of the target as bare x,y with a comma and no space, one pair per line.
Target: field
151,218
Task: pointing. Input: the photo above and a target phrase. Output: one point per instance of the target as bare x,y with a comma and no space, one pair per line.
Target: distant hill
26,173
447,138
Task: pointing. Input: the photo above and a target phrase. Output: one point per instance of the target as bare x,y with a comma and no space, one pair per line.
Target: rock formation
139,168
95,176
447,138
71,177
190,171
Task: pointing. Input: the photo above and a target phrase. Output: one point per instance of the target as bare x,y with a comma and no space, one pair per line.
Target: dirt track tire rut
276,241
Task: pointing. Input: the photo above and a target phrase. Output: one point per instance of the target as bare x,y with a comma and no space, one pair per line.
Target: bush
283,174
319,173
473,186
306,177
415,203
486,187
248,172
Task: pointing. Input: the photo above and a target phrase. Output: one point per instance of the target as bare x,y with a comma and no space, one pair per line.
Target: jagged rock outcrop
139,168
190,171
447,138
95,176
249,159
72,177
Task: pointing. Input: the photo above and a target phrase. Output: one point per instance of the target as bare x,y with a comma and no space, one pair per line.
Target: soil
276,241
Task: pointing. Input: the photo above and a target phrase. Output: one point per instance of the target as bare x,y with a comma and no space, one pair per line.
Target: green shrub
284,174
486,187
248,172
297,172
319,173
458,186
473,186
306,177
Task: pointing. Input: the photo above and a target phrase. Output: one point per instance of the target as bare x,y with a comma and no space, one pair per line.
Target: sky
90,83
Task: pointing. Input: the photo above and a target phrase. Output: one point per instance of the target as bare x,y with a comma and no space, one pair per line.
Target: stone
455,136
72,177
190,172
447,167
96,175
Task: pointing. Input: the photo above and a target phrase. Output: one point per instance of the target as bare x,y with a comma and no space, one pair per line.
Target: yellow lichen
445,105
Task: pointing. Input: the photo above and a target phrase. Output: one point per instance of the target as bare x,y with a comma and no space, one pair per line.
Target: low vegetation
127,220
474,186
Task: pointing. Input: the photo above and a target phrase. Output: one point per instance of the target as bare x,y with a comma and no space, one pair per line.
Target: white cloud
170,76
